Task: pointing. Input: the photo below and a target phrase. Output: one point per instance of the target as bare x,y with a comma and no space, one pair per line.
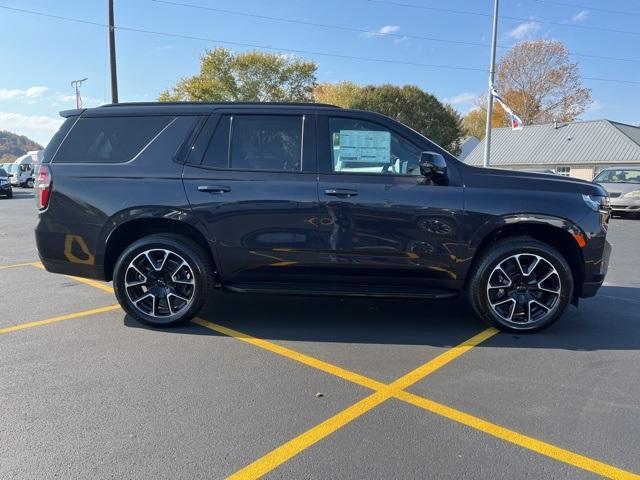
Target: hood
619,187
518,180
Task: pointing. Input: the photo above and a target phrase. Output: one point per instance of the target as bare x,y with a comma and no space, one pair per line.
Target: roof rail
144,104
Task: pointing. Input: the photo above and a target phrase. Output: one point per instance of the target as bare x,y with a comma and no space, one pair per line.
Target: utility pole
112,55
76,84
492,74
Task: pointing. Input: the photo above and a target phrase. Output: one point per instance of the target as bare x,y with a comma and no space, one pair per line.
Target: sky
423,42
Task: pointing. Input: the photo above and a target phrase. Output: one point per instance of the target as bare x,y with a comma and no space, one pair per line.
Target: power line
370,32
588,7
281,49
505,17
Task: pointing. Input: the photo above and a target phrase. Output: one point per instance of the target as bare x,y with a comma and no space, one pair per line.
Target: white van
21,171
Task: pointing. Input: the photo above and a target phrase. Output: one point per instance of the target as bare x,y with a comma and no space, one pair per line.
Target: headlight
3,182
596,202
632,194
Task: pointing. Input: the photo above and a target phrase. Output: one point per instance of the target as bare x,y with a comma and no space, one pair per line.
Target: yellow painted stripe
524,441
48,321
87,281
441,360
293,355
303,441
15,265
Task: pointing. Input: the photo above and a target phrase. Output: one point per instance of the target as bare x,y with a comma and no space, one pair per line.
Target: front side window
360,146
109,139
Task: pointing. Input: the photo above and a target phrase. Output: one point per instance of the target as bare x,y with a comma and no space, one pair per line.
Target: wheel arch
129,231
558,233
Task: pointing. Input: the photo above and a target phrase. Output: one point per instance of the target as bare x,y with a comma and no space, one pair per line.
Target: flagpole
492,73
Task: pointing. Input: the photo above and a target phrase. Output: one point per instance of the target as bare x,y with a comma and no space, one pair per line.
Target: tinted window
54,143
359,146
266,142
217,154
619,176
109,139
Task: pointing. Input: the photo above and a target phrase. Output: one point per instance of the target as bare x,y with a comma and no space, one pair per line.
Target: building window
564,171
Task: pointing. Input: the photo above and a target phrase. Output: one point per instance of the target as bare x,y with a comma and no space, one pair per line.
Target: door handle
341,192
214,188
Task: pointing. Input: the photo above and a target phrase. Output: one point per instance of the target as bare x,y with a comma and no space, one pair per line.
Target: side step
381,291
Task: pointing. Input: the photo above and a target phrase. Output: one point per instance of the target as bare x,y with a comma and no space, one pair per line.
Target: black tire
165,294
10,194
29,183
523,293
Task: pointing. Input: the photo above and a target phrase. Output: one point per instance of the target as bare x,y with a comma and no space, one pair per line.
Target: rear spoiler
71,113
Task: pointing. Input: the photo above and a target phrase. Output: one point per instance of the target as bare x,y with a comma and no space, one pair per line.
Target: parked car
623,186
5,184
21,171
172,200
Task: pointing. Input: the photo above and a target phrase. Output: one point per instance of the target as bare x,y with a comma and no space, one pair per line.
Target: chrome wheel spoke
524,288
162,289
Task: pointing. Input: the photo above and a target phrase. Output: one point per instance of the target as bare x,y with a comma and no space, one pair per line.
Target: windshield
622,175
14,168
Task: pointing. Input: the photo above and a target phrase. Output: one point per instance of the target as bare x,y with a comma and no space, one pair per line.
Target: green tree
408,104
249,77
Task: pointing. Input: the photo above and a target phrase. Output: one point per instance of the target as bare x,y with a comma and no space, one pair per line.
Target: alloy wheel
160,283
524,289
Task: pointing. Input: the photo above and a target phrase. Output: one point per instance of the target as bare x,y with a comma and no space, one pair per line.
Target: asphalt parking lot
313,388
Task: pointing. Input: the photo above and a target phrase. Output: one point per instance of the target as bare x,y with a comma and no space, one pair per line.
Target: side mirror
433,165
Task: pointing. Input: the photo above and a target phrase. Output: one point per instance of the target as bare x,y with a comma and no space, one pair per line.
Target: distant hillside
12,146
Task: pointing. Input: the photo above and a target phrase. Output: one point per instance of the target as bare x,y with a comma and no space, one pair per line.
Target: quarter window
109,139
360,146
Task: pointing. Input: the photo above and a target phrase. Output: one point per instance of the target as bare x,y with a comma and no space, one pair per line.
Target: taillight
43,187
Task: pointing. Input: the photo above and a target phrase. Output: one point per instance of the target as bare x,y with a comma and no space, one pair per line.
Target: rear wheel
521,285
29,183
163,279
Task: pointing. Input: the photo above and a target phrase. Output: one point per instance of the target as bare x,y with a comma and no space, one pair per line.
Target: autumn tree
538,82
407,104
249,77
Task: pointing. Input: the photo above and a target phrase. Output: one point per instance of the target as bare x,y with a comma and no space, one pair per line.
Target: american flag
516,121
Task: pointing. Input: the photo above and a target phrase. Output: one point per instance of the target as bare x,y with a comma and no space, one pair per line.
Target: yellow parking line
87,281
48,321
15,265
382,393
293,355
524,441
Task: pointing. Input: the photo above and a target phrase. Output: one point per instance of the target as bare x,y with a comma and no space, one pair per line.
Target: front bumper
5,189
624,204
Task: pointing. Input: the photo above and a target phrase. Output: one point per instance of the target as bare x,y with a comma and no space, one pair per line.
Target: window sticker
365,146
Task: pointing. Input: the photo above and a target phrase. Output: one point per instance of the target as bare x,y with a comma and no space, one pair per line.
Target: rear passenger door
251,178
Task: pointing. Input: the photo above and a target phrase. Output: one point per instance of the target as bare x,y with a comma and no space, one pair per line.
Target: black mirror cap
433,165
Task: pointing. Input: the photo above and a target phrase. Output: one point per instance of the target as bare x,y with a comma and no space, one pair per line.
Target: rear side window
257,142
55,141
109,139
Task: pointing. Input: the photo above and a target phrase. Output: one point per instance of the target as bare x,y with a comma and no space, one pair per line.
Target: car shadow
609,321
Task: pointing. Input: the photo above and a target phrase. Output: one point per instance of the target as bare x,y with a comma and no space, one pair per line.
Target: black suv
171,201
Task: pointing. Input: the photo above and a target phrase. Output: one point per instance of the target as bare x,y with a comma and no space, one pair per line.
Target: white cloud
580,16
524,30
463,98
595,106
37,127
385,30
17,94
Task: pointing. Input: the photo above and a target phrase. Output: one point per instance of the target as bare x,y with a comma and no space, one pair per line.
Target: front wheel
520,285
163,279
29,183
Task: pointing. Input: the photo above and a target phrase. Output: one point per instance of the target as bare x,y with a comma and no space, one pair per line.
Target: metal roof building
579,149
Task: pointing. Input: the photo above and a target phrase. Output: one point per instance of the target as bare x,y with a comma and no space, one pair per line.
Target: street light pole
112,55
76,84
492,74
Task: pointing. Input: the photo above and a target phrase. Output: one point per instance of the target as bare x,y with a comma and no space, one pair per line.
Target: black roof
176,108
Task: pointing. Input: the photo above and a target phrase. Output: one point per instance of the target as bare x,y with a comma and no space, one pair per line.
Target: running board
381,291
